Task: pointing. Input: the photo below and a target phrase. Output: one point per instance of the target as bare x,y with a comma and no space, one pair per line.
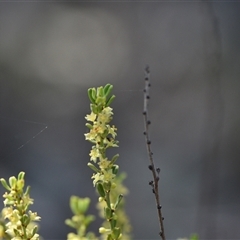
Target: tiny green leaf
5,185
94,108
90,96
114,159
83,204
94,93
12,182
120,197
108,213
100,92
74,204
109,101
113,223
93,167
107,185
34,230
116,232
27,190
107,89
25,219
100,189
21,175
89,125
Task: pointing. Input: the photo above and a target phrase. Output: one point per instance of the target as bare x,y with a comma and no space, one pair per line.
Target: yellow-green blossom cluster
20,221
102,134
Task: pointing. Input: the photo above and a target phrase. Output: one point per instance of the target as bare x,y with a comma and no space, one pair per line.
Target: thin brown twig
155,171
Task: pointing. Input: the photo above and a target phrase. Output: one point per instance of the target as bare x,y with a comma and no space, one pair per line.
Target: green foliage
80,221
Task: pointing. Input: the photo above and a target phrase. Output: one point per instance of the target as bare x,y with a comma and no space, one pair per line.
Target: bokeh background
52,52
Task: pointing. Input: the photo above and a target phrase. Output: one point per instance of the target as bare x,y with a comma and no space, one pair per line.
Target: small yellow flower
15,217
99,128
107,111
90,136
7,212
110,143
91,117
104,163
108,175
26,200
34,216
97,177
105,115
113,131
94,154
9,200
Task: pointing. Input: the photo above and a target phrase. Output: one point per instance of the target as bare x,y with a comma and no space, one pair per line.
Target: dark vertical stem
155,171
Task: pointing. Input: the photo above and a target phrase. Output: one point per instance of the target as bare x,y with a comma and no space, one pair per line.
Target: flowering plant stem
102,135
21,221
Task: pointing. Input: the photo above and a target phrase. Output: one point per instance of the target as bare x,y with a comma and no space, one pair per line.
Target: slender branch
155,171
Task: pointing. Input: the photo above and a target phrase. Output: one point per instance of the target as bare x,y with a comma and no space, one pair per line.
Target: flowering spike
108,184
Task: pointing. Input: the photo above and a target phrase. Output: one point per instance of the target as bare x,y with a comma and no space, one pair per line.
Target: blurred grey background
51,53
